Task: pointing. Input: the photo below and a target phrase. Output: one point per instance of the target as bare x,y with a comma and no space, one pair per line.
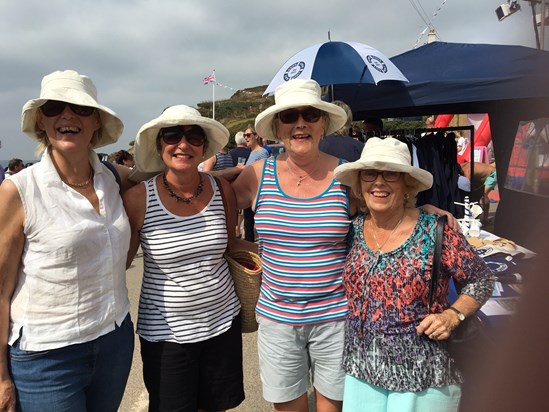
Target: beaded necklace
183,199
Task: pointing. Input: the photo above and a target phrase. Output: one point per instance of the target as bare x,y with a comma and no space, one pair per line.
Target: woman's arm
12,241
135,204
232,217
246,184
460,261
209,164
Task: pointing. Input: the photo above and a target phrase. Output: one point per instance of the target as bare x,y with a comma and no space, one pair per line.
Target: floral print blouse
388,295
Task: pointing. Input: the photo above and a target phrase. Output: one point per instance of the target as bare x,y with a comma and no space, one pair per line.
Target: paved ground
136,399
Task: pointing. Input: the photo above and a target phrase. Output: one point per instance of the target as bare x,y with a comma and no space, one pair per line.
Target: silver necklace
301,178
179,198
87,182
379,247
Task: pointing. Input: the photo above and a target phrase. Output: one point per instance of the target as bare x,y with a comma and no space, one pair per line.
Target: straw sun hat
71,87
298,93
147,160
384,154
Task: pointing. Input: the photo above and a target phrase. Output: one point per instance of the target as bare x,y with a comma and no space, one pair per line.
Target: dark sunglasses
310,115
195,136
249,134
371,175
55,108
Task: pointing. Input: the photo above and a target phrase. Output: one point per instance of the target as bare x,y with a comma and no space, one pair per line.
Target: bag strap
225,207
113,170
441,221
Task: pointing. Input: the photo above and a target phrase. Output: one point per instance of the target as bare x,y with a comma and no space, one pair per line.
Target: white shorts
290,356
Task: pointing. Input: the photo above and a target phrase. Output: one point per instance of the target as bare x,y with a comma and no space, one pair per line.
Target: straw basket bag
245,268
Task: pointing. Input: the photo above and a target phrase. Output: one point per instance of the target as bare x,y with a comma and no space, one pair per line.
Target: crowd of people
345,257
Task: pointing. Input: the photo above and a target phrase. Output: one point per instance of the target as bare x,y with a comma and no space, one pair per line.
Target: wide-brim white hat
298,93
71,87
147,160
384,154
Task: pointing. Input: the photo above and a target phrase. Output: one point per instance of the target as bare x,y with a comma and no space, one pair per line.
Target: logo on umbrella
294,71
377,63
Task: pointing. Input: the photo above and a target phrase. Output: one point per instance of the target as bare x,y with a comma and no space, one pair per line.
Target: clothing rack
441,162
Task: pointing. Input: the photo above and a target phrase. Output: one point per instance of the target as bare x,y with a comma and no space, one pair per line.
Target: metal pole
542,28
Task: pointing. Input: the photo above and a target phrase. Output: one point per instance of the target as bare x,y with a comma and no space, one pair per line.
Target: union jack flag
209,79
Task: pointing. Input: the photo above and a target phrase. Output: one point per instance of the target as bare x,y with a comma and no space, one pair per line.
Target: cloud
144,55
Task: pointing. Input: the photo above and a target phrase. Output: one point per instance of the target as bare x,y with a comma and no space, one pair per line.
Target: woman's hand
7,395
451,221
438,326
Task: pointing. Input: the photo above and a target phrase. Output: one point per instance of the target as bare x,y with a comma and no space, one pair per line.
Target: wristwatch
459,314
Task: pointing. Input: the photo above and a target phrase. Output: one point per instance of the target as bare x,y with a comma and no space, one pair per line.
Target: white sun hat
147,160
384,154
298,93
71,87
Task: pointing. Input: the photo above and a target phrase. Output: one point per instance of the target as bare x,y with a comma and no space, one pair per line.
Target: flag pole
213,97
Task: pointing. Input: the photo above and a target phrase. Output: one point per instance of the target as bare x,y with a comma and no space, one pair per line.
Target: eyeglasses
55,108
310,115
195,136
371,175
250,134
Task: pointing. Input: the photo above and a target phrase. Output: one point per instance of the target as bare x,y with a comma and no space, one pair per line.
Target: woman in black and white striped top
188,322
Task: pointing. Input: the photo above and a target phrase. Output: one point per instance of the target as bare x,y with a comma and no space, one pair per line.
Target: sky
144,55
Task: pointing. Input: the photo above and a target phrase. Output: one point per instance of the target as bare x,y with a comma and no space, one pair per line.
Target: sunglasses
55,108
250,134
195,136
310,115
371,175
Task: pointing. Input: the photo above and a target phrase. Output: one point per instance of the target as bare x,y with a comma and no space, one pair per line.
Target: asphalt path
136,397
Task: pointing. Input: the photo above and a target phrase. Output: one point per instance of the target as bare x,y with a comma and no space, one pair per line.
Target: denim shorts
204,375
290,356
88,376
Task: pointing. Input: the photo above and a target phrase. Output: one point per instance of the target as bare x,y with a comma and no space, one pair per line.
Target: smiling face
68,131
183,148
382,196
297,133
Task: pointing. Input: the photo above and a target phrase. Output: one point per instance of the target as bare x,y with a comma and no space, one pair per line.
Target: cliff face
240,111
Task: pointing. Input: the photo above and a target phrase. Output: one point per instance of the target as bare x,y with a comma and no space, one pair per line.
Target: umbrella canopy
337,62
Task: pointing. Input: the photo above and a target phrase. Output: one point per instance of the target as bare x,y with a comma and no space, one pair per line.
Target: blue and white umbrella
337,62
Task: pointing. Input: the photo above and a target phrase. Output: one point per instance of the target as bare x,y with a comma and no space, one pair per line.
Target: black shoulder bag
468,341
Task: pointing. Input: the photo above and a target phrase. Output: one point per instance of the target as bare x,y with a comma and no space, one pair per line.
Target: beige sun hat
71,87
298,93
384,154
147,161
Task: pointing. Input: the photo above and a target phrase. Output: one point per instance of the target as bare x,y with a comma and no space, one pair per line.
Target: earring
406,196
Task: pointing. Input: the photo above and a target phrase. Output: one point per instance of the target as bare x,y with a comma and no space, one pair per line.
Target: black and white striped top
187,293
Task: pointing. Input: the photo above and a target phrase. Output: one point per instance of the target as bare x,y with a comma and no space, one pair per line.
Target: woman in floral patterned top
394,353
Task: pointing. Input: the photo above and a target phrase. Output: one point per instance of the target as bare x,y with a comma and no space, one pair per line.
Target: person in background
66,337
241,151
372,126
484,176
124,158
257,153
240,155
2,174
221,161
394,353
340,144
189,315
14,166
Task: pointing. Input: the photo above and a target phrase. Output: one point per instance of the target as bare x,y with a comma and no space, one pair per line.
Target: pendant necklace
179,198
301,178
79,185
379,247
